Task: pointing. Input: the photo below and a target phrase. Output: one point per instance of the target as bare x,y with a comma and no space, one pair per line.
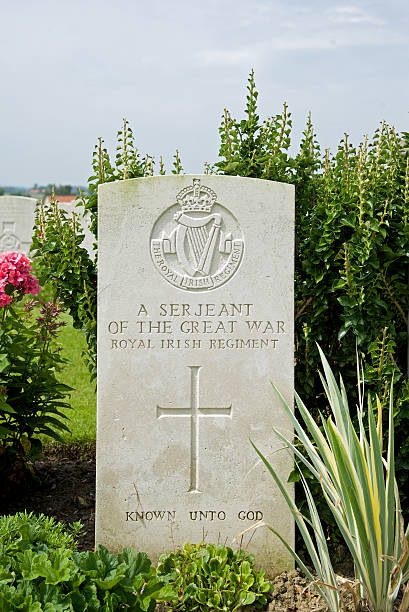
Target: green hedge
352,253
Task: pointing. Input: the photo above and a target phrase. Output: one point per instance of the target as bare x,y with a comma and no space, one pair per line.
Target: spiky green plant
358,482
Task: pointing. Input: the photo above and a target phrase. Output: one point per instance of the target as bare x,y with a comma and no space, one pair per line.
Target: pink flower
16,273
4,299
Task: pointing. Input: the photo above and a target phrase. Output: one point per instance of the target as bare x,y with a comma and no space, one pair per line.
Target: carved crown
196,198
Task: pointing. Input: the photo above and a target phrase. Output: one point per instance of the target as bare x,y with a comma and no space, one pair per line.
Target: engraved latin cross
195,412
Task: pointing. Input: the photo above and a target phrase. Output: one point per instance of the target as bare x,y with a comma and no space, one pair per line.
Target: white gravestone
195,318
17,215
17,219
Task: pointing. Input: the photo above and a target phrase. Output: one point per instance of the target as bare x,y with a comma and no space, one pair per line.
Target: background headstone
16,223
17,218
195,318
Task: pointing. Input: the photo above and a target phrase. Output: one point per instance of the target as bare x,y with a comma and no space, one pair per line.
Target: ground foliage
210,577
352,248
41,570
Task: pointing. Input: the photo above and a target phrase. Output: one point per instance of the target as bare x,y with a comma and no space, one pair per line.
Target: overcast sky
70,70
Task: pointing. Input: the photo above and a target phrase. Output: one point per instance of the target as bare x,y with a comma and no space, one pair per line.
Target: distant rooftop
66,198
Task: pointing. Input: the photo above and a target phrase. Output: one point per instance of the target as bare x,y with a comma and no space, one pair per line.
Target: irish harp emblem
197,244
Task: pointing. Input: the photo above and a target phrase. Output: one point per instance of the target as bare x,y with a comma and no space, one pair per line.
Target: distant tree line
43,190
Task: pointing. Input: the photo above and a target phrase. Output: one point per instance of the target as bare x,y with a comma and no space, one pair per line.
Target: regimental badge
197,244
8,239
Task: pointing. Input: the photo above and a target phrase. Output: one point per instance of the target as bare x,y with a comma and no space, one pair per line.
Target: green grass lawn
82,416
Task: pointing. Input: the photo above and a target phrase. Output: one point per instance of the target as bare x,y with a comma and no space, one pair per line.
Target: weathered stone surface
195,318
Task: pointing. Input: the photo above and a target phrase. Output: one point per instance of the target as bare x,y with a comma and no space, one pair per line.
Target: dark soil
65,489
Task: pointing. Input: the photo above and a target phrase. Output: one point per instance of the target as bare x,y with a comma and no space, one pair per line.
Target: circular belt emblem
197,244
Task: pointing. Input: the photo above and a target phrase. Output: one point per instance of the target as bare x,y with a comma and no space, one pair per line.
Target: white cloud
295,43
272,28
352,14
